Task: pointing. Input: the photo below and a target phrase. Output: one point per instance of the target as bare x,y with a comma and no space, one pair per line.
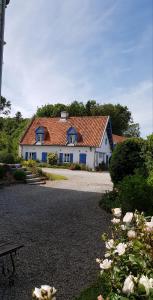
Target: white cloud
139,99
67,50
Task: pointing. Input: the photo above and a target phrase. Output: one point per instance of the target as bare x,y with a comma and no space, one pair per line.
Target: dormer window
72,136
40,135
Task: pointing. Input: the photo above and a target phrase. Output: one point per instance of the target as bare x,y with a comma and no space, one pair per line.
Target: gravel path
81,181
61,231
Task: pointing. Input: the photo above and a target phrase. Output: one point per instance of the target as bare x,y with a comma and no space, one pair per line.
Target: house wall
104,151
89,151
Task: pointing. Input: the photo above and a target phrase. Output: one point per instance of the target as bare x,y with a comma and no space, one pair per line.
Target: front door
44,156
83,157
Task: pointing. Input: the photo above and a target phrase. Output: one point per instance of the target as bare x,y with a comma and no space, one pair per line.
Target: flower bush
46,292
128,262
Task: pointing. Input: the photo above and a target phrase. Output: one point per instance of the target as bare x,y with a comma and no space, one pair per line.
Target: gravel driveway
61,231
82,180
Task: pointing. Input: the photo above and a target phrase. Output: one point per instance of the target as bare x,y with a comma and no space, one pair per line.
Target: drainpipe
3,5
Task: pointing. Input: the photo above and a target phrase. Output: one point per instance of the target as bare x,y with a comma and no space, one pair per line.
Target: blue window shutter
83,158
44,156
26,156
61,157
34,155
71,157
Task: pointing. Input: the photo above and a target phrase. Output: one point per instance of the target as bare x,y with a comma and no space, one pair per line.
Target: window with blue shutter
44,156
61,158
26,156
40,134
34,155
83,157
71,157
72,136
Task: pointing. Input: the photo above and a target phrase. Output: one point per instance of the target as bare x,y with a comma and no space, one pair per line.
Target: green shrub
126,158
110,200
147,153
19,175
150,178
134,192
2,172
7,158
52,158
102,167
75,167
29,163
101,286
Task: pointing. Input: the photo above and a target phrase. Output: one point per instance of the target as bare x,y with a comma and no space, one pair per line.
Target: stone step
28,172
36,179
30,176
37,183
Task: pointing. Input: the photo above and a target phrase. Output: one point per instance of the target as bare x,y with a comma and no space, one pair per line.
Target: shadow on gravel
61,231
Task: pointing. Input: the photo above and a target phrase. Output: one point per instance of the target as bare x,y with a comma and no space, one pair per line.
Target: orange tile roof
90,130
117,139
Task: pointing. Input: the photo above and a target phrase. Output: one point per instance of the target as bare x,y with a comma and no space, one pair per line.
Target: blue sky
66,50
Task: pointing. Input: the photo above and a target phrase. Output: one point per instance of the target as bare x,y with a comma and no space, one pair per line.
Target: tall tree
133,130
120,115
5,106
18,116
76,109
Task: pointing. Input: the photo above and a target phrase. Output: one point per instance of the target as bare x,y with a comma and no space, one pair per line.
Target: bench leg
11,276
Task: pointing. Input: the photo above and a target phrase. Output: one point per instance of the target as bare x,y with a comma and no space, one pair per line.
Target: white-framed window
72,138
39,137
66,157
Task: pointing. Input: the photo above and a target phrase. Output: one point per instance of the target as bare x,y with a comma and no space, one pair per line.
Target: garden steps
35,179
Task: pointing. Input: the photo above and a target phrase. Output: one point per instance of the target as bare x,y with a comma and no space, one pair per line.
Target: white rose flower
131,234
98,260
151,283
146,282
128,287
115,221
47,289
128,217
107,254
120,249
109,244
123,227
106,264
149,225
37,294
117,212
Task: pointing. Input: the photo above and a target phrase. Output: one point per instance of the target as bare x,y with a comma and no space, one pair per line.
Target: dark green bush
7,158
147,153
101,287
134,192
19,175
2,172
110,200
76,167
126,158
102,167
150,178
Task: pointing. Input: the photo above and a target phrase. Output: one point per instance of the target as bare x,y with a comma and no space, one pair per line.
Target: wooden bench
8,248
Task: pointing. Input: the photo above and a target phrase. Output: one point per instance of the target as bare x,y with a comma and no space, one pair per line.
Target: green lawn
53,177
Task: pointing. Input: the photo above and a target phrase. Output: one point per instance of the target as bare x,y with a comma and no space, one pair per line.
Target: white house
84,140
